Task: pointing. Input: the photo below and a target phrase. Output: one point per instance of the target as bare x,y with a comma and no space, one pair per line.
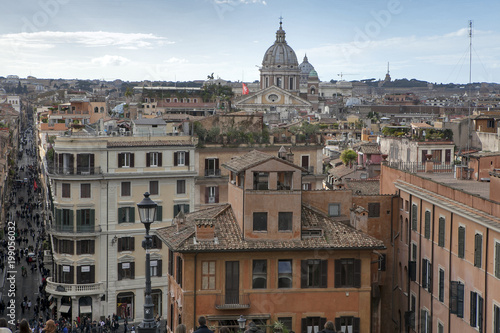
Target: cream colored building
96,233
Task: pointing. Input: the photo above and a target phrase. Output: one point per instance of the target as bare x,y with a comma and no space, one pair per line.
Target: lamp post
147,213
242,323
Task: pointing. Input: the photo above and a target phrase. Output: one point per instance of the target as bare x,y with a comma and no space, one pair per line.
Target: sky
182,40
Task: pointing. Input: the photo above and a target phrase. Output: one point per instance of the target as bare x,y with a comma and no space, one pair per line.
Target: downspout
408,241
107,231
450,262
393,257
432,262
485,302
195,279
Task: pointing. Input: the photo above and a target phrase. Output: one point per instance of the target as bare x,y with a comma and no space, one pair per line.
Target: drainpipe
408,241
393,257
450,269
194,301
432,262
485,302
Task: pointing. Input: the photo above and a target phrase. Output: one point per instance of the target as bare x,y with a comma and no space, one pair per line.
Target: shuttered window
441,285
427,275
497,260
461,242
126,244
496,319
373,209
457,298
347,324
347,273
414,213
85,274
155,268
126,270
156,242
181,158
478,250
208,275
442,227
126,214
425,321
427,224
86,246
476,311
313,273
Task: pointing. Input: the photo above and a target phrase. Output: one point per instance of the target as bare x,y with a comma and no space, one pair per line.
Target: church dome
313,73
305,67
280,54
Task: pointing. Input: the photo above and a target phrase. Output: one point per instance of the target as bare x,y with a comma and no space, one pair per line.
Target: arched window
313,91
125,305
96,109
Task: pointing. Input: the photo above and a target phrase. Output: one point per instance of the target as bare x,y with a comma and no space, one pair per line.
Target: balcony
65,289
232,302
70,229
212,172
70,171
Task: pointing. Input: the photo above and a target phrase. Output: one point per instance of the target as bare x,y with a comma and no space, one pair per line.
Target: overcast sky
189,39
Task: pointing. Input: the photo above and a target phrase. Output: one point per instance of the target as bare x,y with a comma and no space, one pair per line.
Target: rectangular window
153,187
126,215
208,275
212,167
476,311
125,187
414,215
85,220
170,262
126,244
66,246
441,232
313,273
425,325
306,186
413,307
153,159
497,260
284,180
179,207
478,250
178,276
496,319
285,276
84,191
66,190
64,219
86,246
65,274
156,242
259,274
181,158
260,221
155,269
457,298
440,328
85,274
334,209
126,270
427,231
181,186
211,194
347,273
287,322
261,181
373,209
426,275
414,251
461,242
347,324
285,220
85,164
441,285
125,160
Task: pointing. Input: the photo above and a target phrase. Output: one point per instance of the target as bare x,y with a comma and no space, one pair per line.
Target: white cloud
110,60
48,39
174,60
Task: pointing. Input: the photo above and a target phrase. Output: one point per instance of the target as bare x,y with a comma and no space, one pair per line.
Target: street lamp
147,213
241,322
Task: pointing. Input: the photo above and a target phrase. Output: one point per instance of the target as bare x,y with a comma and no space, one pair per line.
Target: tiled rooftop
156,143
364,187
336,235
369,148
246,161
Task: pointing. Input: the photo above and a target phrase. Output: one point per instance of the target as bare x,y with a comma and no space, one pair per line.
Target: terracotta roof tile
369,148
228,235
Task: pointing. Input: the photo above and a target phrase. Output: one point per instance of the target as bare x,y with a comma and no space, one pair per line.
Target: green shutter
92,218
71,217
120,215
78,218
427,224
159,214
442,226
461,242
497,260
478,249
131,213
176,210
414,217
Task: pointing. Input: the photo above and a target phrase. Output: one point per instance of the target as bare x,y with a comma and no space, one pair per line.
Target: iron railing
232,301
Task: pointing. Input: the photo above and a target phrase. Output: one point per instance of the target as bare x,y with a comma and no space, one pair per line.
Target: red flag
245,90
35,186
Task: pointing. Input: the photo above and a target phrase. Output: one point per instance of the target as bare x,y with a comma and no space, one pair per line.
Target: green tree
348,156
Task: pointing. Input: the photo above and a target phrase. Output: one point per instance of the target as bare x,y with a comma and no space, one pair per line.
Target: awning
85,309
52,305
64,308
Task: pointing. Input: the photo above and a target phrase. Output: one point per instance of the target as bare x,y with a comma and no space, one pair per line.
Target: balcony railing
81,171
73,289
212,172
87,229
232,302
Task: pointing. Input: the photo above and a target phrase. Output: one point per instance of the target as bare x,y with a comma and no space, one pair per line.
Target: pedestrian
50,327
181,328
24,327
329,327
203,326
3,326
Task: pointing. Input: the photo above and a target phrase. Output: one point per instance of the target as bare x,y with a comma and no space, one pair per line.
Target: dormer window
261,180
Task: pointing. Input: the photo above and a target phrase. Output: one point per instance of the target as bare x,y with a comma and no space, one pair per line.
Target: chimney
282,153
205,229
289,155
180,220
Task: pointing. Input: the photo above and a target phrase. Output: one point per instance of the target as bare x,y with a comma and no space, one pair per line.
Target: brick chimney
180,220
205,229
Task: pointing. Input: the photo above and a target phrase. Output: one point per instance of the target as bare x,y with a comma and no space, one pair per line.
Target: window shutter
460,300
78,247
120,215
78,160
413,271
207,193
71,274
303,274
480,314
158,268
337,324
414,217
441,285
71,217
478,247
79,275
132,270
148,159
78,217
160,159
186,158
427,224
442,226
131,214
91,160
497,260
159,213
120,244
92,274
216,164
304,325
473,305
424,273
217,194
176,210
453,296
120,160
131,160
324,274
356,323
176,158
92,217
429,274
357,273
322,322
132,243
206,164
120,271
71,163
338,273
423,321
461,242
